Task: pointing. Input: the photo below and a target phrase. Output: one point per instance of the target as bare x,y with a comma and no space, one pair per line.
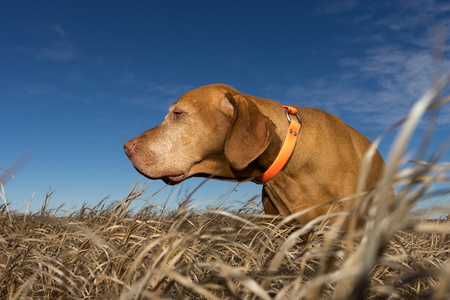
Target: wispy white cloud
58,29
168,93
28,96
394,71
60,49
61,52
158,96
127,77
170,89
380,87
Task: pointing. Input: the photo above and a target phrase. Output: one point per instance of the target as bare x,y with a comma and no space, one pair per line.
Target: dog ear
250,132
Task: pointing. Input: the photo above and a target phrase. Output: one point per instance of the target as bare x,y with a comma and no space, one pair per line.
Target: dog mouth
174,178
168,179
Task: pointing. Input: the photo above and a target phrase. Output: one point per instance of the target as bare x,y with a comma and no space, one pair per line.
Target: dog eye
177,114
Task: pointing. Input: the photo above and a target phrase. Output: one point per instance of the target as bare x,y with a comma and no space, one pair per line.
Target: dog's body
217,131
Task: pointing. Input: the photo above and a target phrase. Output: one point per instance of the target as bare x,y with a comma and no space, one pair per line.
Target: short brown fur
217,131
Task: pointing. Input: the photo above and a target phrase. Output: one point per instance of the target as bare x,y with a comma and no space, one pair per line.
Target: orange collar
286,149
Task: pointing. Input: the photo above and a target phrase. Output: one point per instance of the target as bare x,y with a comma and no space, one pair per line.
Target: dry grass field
109,252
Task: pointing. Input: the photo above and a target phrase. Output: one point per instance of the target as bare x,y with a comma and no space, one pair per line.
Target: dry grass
107,252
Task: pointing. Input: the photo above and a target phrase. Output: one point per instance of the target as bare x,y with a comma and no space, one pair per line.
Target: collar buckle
292,111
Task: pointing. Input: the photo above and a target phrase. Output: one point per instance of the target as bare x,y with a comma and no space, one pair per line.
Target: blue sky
80,78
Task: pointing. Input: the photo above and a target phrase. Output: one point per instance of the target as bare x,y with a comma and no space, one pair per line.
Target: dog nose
128,147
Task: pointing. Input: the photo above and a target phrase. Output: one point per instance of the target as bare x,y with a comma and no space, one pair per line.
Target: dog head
210,131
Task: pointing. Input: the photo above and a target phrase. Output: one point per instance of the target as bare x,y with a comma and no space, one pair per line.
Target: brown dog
217,131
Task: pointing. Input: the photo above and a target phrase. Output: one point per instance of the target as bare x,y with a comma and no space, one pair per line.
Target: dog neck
286,149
